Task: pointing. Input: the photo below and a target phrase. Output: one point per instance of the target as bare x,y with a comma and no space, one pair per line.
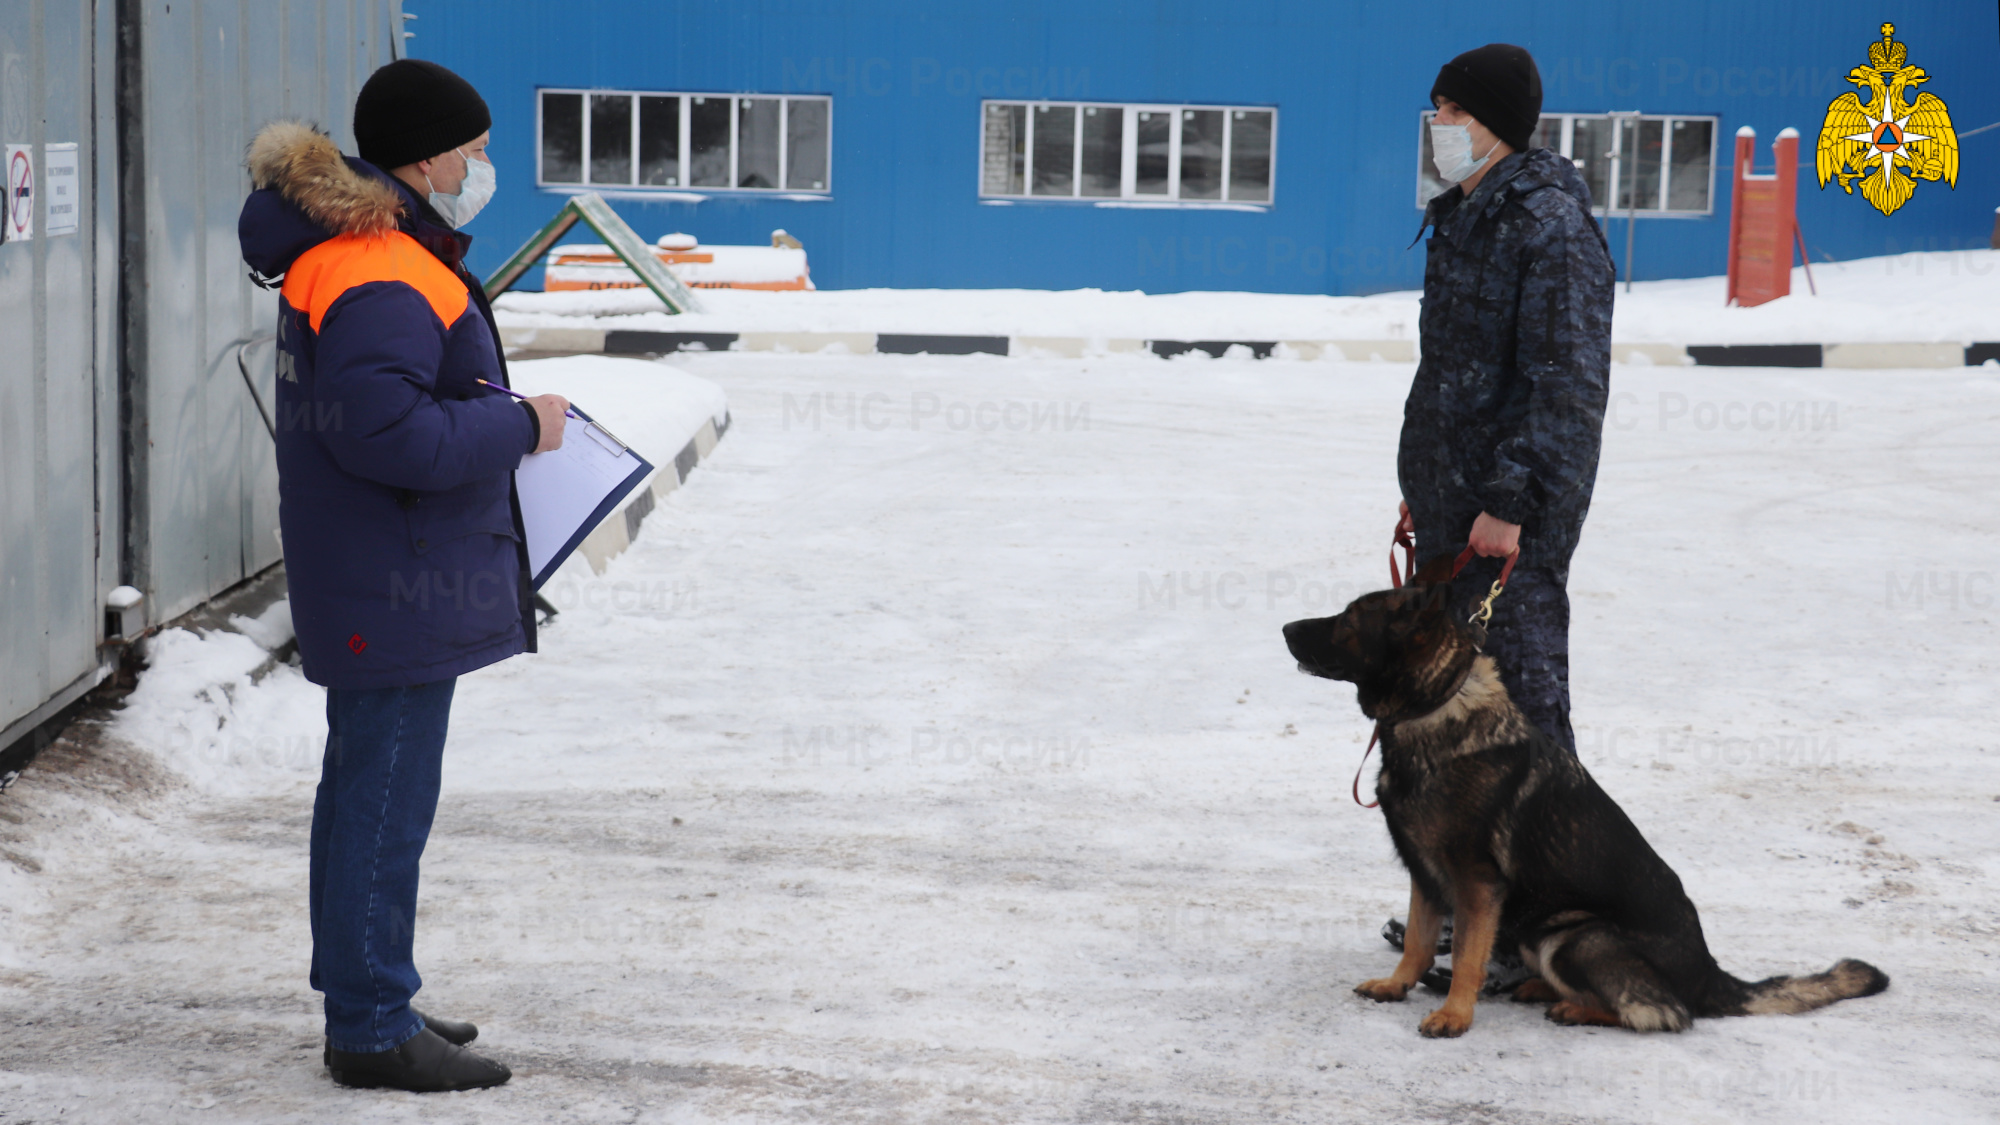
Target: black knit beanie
1498,84
413,110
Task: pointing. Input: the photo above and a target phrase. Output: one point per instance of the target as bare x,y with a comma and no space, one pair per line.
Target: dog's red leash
1409,547
1409,573
1377,734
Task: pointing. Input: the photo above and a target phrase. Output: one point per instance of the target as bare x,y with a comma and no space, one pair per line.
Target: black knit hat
413,110
1499,85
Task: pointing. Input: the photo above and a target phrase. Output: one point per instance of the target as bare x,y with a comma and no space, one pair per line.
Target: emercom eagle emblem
1887,142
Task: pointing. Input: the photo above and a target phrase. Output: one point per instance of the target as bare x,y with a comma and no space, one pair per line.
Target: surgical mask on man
459,209
1451,151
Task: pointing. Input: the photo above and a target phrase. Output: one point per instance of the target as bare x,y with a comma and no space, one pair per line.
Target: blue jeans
378,790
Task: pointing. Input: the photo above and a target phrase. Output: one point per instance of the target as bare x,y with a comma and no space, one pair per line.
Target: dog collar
1376,735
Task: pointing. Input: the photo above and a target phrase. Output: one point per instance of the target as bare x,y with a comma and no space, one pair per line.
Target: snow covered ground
1935,296
934,754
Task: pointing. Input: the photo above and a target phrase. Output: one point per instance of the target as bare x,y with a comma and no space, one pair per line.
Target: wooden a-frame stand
598,216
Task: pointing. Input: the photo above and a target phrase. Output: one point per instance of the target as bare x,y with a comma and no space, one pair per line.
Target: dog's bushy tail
1788,996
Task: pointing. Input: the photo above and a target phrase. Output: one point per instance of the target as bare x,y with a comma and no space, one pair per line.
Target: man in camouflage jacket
1504,420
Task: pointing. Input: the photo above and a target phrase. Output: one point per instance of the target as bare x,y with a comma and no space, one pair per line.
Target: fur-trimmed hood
306,167
307,192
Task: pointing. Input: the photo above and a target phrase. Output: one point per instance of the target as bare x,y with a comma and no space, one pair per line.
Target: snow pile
217,710
270,629
654,406
1943,296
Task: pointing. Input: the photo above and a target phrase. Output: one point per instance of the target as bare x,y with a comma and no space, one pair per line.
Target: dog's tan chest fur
1476,717
1432,758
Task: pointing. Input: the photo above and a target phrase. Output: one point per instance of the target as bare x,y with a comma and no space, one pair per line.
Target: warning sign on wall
62,190
18,224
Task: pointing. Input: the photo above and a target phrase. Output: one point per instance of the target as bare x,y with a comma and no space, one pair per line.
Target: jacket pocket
467,568
437,518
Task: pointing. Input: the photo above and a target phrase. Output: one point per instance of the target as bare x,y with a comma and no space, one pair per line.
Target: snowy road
934,755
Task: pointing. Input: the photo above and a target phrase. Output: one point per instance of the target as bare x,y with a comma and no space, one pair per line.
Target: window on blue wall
1650,165
1193,154
636,139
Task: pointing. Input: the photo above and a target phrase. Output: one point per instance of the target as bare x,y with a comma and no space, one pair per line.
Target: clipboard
566,492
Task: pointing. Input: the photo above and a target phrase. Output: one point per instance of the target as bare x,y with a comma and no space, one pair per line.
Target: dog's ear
1435,572
1433,597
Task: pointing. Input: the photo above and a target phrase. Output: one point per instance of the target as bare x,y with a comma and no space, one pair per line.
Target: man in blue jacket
1505,417
403,545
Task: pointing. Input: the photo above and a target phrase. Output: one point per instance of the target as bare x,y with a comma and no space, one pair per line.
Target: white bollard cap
1788,131
1746,131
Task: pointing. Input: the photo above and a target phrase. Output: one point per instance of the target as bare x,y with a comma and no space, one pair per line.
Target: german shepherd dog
1501,827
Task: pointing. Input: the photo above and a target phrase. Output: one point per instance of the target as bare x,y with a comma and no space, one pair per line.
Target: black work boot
1392,932
455,1032
423,1064
1504,970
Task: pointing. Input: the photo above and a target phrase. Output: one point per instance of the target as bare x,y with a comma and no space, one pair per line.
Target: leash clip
1484,613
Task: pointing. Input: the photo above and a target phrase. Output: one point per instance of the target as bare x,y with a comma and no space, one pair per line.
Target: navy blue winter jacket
402,534
1506,414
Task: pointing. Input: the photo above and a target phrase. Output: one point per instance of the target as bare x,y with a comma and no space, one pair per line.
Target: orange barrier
780,266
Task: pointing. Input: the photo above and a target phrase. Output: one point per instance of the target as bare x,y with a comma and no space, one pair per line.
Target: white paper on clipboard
566,492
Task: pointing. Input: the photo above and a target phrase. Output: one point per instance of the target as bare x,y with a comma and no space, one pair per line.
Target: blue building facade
914,101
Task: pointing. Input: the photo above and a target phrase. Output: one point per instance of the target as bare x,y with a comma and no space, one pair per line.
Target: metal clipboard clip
604,438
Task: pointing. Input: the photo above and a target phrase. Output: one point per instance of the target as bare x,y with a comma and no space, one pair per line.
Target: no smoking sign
20,202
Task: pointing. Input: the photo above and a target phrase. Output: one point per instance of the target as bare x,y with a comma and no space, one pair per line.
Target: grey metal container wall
59,472
130,449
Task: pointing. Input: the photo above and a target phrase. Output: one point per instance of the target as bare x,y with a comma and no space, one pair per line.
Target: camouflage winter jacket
1506,413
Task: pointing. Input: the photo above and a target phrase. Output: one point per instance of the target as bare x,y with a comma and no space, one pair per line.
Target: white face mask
1451,151
459,209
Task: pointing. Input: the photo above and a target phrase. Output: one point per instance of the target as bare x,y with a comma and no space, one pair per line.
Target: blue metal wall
1348,80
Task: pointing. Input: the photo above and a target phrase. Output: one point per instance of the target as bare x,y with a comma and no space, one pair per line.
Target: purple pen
522,397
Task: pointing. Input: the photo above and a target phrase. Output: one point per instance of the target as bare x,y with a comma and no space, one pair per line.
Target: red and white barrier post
1763,221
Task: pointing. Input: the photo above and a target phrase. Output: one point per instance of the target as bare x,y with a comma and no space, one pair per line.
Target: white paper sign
62,191
17,224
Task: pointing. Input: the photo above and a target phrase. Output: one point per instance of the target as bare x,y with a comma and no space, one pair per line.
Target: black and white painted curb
616,341
622,526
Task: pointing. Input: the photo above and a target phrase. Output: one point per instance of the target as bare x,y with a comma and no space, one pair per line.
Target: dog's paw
1535,990
1383,989
1569,1013
1445,1023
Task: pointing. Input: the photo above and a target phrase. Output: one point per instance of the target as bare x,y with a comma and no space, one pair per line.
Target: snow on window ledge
640,195
1133,204
1180,205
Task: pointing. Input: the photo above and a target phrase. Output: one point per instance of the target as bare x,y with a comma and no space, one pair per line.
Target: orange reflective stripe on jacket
330,269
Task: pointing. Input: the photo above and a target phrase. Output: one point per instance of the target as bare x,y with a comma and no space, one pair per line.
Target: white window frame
736,107
1128,154
1567,133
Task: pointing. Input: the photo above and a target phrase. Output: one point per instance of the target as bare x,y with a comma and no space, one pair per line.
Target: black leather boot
425,1063
455,1032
